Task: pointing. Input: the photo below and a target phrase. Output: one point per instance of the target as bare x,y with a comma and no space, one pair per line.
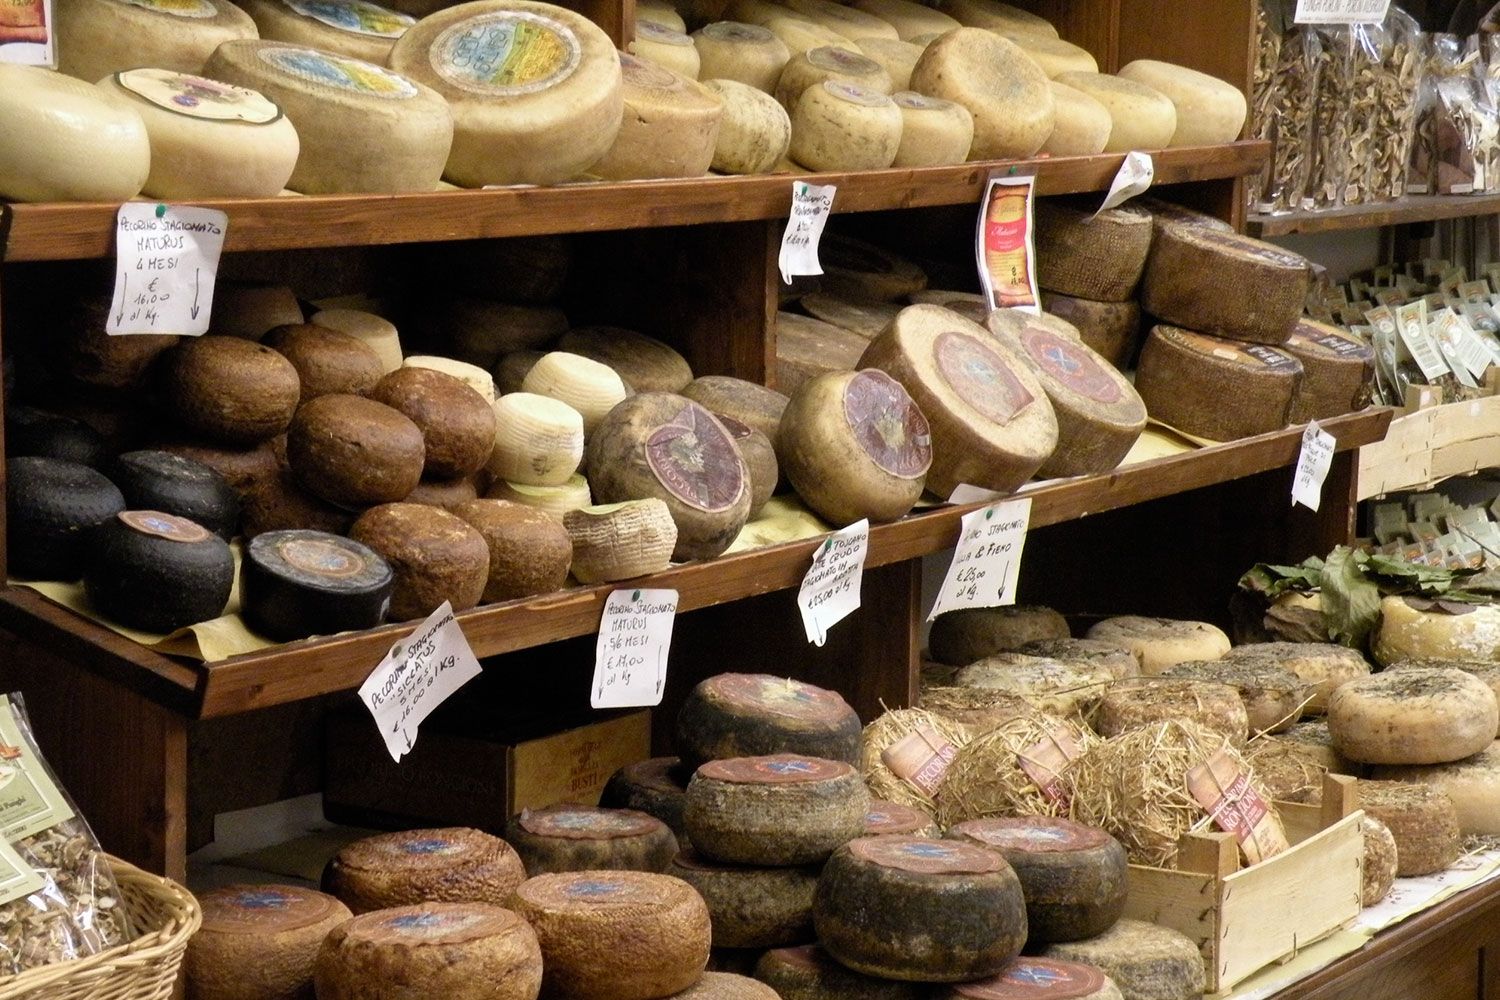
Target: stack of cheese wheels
1260,288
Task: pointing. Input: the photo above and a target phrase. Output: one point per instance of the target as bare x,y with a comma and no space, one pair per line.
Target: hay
986,778
890,729
1069,690
1135,787
1148,701
978,709
1291,771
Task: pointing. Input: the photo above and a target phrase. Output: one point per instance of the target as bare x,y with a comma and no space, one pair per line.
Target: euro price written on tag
831,589
1312,466
811,204
417,676
166,263
987,562
630,658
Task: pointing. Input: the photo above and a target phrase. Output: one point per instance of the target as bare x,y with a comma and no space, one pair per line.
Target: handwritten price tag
167,258
987,562
1312,466
1134,177
811,204
418,676
830,590
630,660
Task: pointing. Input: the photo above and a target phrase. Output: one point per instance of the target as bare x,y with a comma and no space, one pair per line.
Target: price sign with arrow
416,676
167,259
630,659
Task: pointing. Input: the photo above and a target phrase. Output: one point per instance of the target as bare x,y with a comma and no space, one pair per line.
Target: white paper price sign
830,590
811,204
1312,466
1134,177
1341,11
630,659
167,258
987,562
416,677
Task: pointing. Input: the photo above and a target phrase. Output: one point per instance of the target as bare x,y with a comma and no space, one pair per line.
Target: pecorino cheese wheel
1113,656
751,907
963,637
1145,961
1338,370
1323,666
807,348
815,66
644,363
887,819
653,787
866,318
278,503
920,910
751,715
259,942
1487,672
1256,294
1184,378
52,507
457,424
1273,695
748,53
530,552
1037,979
783,809
1140,117
435,555
657,445
294,584
749,403
1380,861
760,458
159,480
1472,783
726,986
1423,715
1209,110
1003,87
618,541
810,973
327,361
992,425
569,838
669,129
1111,328
1148,701
157,572
451,865
845,126
1099,257
1421,818
232,390
1411,629
354,452
1083,123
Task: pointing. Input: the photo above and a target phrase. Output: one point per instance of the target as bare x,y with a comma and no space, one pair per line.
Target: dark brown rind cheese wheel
1186,377
231,390
451,865
963,637
644,363
457,423
1098,257
751,715
778,810
568,838
1338,371
808,972
435,555
279,503
760,458
747,402
530,551
1113,329
354,452
1224,284
752,907
652,787
327,361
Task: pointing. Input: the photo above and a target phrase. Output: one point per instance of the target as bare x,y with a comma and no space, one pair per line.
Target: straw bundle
1291,771
934,732
978,709
989,776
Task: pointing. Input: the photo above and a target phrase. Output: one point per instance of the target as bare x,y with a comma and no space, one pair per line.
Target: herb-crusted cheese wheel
755,132
452,865
1291,771
1273,695
855,446
1325,666
1408,630
654,787
934,132
1472,783
851,22
1070,690
538,440
747,53
557,501
356,28
815,66
810,973
259,942
752,907
1380,861
1083,125
669,129
208,139
1054,55
783,809
845,126
530,553
1209,111
1140,118
1423,715
962,637
1148,701
1000,17
1422,820
747,402
998,82
336,103
376,332
1113,329
866,318
327,361
1161,642
1145,961
96,38
616,935
536,90
992,425
1114,657
1258,288
666,47
1487,672
620,541
232,390
354,452
807,348
753,715
436,557
570,838
656,444
899,58
588,386
461,951
1098,257
908,18
920,910
1184,378
1338,369
643,363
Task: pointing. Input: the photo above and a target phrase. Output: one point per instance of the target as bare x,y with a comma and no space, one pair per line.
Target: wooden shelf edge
78,231
1414,208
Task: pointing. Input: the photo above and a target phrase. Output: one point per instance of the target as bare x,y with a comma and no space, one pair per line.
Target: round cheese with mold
1002,18
356,28
666,47
1423,715
1209,110
1422,820
97,38
78,145
844,126
934,132
1145,702
1005,90
754,133
751,907
1412,629
1142,959
1141,118
1160,643
962,637
810,68
669,129
747,53
1082,125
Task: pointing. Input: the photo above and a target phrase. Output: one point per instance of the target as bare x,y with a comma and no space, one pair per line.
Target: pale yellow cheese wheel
734,50
1082,126
1004,89
1054,55
1209,111
1142,118
899,58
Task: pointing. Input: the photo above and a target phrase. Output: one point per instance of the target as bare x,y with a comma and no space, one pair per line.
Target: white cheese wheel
96,38
1423,715
851,22
1082,126
810,68
362,128
1160,643
555,500
208,139
1054,55
65,141
999,17
538,440
473,376
670,126
908,18
800,34
535,89
843,126
998,82
666,47
747,53
356,28
1472,783
1412,633
1209,111
621,540
376,332
755,132
587,386
899,58
934,132
992,425
1141,118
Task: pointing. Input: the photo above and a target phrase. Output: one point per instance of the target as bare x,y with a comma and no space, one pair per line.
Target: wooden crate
1432,443
1244,919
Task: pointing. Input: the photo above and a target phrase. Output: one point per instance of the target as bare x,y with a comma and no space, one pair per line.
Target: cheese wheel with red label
777,810
1185,378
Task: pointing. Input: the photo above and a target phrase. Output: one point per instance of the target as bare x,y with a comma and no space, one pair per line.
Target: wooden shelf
322,666
74,231
1414,208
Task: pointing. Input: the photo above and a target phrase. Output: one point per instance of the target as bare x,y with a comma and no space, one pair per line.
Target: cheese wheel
1140,118
799,34
259,941
1259,288
1338,371
855,269
885,819
460,951
920,910
535,89
1291,771
1070,690
810,68
336,104
1112,329
773,811
1422,820
1273,696
620,541
586,385
479,331
1167,215
251,310
538,440
854,446
983,710
670,125
760,458
1323,666
277,503
899,58
295,584
969,305
436,556
934,132
751,907
530,553
1000,17
727,986
1209,111
1002,86
1114,657
643,363
1037,978
747,53
667,47
96,38
356,28
1487,672
866,318
1094,256
232,390
844,126
654,787
354,452
80,146
453,865
1142,959
569,838
660,12
1472,783
992,425
208,139
906,17
616,935
555,500
962,637
172,484
448,494
1422,715
810,973
754,715
1162,642
754,133
327,361
1184,378
1408,630
807,348
1148,701
1099,414
511,370
851,22
1316,742
1082,125
377,333
1054,55
747,402
1380,861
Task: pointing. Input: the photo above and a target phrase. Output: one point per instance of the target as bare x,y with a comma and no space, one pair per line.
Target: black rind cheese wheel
29,431
751,715
752,907
655,787
157,572
294,584
782,809
160,480
51,506
569,838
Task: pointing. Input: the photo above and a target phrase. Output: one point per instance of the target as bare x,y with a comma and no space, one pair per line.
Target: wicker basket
163,913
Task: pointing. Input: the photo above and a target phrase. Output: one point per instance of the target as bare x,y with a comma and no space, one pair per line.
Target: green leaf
1351,601
1273,580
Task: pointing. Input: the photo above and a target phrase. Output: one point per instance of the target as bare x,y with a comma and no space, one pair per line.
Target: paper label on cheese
199,98
30,801
1224,791
779,696
1070,365
416,676
1313,463
1036,979
888,425
197,9
830,591
1249,355
980,377
927,857
695,459
262,908
352,75
778,769
355,15
921,759
167,527
507,54
630,655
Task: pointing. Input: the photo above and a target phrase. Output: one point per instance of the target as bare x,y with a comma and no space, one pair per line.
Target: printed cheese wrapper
1223,788
1046,762
23,21
921,759
1004,247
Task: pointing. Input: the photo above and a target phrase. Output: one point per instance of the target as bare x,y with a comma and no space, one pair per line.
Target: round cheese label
1028,978
1070,364
893,818
645,75
738,31
841,60
434,923
695,459
356,16
319,557
855,94
779,696
506,54
256,909
914,101
777,769
1034,834
927,857
660,33
196,9
1249,355
166,526
888,425
980,377
601,889
199,98
339,72
587,823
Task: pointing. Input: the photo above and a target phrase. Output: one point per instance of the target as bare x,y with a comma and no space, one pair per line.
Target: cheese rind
908,18
357,28
934,132
747,53
668,47
1163,642
669,127
815,66
1054,55
1422,715
963,637
1273,695
1422,820
1007,93
1338,371
1258,289
1184,378
810,973
538,440
1140,118
79,146
845,126
259,942
751,907
1000,17
570,838
1113,329
898,57
96,38
752,715
555,500
588,386
1142,703
774,811
1380,861
1144,960
1407,632
1472,783
1093,256
755,132
620,541
807,348
851,22
453,865
1082,124
855,269
1209,110
643,363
